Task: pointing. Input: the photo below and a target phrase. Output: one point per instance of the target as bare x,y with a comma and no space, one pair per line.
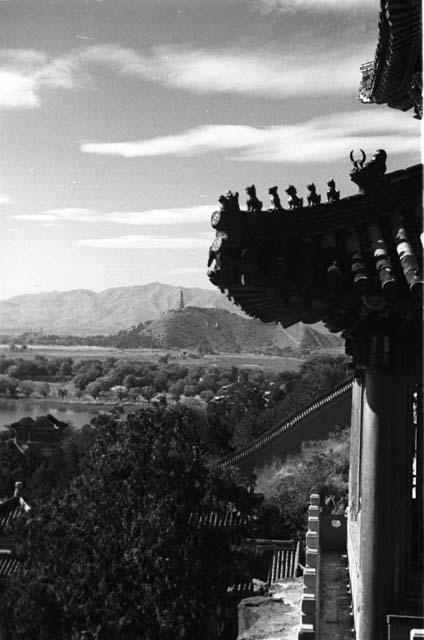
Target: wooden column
373,494
355,446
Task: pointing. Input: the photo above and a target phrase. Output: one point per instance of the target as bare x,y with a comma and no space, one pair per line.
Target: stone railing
310,598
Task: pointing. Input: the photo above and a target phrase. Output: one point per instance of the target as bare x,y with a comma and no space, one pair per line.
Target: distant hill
318,337
82,311
208,321
217,330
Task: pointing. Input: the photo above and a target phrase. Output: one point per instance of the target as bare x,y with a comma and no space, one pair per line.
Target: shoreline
74,403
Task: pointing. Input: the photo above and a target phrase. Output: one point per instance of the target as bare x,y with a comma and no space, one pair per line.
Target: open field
267,363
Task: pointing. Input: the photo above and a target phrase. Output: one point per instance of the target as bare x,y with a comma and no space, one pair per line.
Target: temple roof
395,75
43,430
10,511
351,260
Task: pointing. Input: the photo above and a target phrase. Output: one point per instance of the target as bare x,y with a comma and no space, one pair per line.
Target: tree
87,372
8,386
321,465
26,387
96,387
119,554
232,415
206,394
177,388
66,368
148,391
43,388
189,390
5,363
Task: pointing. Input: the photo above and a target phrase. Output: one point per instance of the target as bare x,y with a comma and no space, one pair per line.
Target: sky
122,121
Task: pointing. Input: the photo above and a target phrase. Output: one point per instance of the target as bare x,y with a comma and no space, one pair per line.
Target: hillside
82,311
218,330
209,321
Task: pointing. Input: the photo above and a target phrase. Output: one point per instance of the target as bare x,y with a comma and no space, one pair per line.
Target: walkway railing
286,425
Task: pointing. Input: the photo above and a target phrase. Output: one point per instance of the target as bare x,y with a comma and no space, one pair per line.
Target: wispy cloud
317,5
150,217
147,242
24,74
17,91
259,73
321,139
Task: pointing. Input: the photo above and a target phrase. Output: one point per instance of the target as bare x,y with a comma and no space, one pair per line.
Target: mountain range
153,311
85,312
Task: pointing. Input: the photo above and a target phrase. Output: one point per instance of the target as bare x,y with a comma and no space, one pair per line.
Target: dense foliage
109,550
43,472
237,405
245,410
116,554
321,466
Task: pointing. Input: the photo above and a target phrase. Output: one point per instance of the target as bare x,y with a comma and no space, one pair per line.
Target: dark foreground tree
120,554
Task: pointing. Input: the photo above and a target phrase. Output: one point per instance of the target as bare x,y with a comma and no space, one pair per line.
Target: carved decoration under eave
406,255
416,94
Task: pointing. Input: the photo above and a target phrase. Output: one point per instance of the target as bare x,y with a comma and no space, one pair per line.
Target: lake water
12,411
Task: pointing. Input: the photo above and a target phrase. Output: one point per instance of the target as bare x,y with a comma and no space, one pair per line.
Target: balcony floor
335,601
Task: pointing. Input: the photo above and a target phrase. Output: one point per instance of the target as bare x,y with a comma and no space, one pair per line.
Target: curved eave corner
340,262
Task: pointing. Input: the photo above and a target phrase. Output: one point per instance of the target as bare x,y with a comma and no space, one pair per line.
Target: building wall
383,518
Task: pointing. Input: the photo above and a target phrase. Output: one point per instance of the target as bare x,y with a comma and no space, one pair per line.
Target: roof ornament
275,202
332,194
313,198
229,203
215,252
370,177
293,200
253,204
358,163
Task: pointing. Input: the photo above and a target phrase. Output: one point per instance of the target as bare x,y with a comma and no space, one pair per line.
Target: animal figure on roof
379,161
293,200
223,204
229,203
332,194
253,204
275,202
313,197
371,175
